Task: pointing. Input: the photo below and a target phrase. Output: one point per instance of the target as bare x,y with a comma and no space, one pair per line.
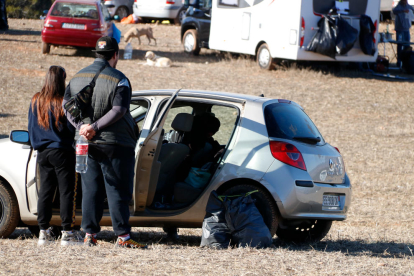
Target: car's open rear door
147,166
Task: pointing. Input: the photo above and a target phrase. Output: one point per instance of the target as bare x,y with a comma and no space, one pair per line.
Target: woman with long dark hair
52,136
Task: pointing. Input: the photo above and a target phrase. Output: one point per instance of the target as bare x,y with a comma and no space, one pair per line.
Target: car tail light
284,101
337,149
302,32
288,154
375,30
170,1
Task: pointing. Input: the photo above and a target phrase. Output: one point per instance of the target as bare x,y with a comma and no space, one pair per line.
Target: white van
172,10
273,29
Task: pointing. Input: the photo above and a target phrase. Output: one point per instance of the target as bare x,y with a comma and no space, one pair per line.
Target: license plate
73,26
331,200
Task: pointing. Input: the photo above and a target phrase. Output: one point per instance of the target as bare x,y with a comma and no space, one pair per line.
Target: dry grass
370,120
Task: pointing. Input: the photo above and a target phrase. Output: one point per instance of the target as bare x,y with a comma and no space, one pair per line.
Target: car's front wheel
312,231
45,48
190,42
9,210
264,58
264,203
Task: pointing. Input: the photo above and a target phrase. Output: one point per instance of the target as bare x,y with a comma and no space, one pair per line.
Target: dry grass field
371,121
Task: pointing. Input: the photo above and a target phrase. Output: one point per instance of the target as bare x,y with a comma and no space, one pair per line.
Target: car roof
226,96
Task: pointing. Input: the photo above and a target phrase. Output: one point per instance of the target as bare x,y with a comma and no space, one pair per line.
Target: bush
27,8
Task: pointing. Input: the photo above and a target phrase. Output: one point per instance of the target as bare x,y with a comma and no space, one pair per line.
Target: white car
268,145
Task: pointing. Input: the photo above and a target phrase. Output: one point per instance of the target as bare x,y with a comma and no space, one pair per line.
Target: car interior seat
173,154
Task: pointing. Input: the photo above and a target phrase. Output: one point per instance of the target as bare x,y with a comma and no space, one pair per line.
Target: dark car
195,29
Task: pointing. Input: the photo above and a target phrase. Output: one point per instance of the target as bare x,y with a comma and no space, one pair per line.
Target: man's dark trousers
56,167
115,175
3,16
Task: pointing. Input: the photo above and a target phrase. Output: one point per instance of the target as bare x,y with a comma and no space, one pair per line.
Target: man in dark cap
112,134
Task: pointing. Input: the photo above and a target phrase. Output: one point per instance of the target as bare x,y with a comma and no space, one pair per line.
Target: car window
287,121
139,109
172,113
86,11
227,117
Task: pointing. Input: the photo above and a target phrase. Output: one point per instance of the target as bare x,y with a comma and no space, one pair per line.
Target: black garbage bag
324,41
346,36
216,234
366,35
246,223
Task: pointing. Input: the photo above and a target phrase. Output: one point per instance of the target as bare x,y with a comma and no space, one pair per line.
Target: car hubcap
122,12
189,43
181,16
264,57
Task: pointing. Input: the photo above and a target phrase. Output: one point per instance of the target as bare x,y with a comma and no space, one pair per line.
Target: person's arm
69,116
398,9
120,106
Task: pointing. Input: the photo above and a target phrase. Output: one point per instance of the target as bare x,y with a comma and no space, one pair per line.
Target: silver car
268,145
122,8
172,10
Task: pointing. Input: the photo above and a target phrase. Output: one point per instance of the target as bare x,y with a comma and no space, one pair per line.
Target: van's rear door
147,166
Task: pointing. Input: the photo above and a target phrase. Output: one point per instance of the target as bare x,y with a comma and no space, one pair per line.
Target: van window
85,11
139,109
356,7
172,113
227,117
287,121
234,3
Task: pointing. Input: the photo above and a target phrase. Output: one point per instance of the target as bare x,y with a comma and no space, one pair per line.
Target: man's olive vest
122,132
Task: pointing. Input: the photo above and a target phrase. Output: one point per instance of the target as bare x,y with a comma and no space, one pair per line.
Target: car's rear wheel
190,42
264,58
9,210
312,231
122,12
264,203
180,17
45,48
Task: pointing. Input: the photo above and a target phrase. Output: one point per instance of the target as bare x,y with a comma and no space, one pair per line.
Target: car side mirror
20,137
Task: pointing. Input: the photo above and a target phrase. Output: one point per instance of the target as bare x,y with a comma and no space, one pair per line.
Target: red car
78,23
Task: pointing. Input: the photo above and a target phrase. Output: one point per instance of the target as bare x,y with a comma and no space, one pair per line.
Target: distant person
3,16
402,25
52,136
113,135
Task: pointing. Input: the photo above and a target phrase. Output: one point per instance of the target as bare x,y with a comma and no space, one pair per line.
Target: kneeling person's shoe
45,237
129,243
70,238
90,240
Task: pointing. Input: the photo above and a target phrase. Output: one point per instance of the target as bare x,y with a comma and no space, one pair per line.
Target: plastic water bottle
128,51
82,147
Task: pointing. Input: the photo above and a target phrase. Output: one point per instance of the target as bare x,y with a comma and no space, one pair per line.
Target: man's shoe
130,243
45,237
70,238
90,241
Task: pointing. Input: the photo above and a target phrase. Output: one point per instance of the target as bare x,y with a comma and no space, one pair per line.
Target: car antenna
261,95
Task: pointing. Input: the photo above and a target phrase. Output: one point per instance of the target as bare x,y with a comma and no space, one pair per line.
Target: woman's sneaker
70,238
45,237
129,243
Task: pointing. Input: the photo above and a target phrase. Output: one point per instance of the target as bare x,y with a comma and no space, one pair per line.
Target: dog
157,61
135,32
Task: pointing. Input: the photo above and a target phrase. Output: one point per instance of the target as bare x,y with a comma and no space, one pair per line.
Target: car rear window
288,121
75,10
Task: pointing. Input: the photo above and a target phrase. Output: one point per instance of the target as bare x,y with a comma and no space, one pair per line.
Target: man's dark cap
106,44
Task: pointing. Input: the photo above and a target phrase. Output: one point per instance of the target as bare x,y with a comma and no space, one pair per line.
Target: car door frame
147,165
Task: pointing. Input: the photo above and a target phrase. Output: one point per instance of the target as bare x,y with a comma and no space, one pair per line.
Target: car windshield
75,10
288,121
